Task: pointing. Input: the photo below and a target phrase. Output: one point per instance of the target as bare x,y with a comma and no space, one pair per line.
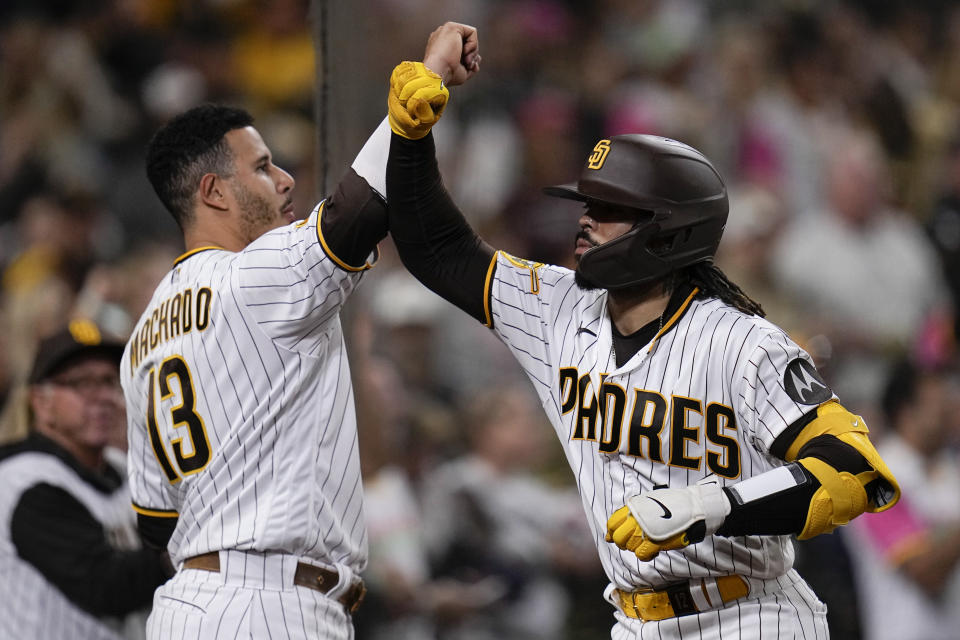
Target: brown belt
306,575
683,599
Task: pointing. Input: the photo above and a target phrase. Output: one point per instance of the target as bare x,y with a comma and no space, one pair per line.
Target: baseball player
242,431
701,436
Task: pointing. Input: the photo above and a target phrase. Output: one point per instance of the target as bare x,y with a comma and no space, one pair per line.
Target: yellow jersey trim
340,263
674,318
487,291
527,264
192,252
154,513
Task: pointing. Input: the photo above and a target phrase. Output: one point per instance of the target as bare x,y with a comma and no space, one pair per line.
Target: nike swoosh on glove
666,519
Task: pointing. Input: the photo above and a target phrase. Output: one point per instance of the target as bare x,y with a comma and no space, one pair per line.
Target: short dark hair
190,145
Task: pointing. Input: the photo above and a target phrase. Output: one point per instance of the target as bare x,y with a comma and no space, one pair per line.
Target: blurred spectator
757,217
70,557
490,520
405,600
405,321
39,282
535,226
273,55
115,293
944,226
863,272
436,355
403,434
657,44
798,112
484,178
58,271
734,81
914,594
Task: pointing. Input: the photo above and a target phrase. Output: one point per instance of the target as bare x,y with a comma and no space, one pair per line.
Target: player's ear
213,192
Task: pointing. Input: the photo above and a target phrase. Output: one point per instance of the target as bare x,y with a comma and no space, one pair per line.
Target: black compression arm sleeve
433,239
354,220
783,513
55,533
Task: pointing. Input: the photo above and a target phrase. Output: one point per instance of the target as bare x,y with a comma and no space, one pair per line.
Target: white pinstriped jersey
30,605
705,397
240,404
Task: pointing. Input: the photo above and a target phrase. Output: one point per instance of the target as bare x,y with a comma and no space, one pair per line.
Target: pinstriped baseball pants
786,609
203,605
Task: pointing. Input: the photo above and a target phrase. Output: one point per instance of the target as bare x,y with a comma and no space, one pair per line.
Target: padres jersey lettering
707,397
237,372
602,418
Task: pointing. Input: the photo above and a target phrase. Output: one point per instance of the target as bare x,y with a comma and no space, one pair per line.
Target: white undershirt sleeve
371,162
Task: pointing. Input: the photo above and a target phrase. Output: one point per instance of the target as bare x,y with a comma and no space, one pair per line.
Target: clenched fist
665,519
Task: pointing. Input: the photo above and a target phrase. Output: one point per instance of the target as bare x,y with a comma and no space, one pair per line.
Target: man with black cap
700,434
70,560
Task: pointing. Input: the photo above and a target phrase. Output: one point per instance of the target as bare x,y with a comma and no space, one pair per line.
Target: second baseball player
701,436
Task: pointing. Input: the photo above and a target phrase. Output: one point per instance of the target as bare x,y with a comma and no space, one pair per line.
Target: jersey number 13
183,414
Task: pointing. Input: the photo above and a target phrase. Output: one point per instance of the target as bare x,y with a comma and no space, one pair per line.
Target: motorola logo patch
804,385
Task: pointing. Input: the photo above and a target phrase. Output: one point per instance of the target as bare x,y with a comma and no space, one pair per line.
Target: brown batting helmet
680,199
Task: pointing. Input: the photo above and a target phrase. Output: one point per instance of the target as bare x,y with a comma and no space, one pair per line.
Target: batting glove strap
667,513
416,101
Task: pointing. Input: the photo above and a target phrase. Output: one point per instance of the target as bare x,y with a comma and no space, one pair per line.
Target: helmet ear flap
669,243
663,245
612,265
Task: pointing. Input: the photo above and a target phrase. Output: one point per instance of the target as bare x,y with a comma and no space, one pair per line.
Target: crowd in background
836,125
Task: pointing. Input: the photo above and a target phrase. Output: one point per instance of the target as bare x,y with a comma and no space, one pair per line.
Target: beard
638,291
257,215
581,280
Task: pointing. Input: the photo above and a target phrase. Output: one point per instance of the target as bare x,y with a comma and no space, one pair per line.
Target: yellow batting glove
416,101
666,519
625,532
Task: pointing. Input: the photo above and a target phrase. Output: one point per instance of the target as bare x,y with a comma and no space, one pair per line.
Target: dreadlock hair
714,283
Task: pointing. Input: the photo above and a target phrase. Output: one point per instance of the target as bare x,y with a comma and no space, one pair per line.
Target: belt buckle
631,598
632,595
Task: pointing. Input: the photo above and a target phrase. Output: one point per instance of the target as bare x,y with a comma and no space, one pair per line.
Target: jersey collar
194,252
680,302
676,308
